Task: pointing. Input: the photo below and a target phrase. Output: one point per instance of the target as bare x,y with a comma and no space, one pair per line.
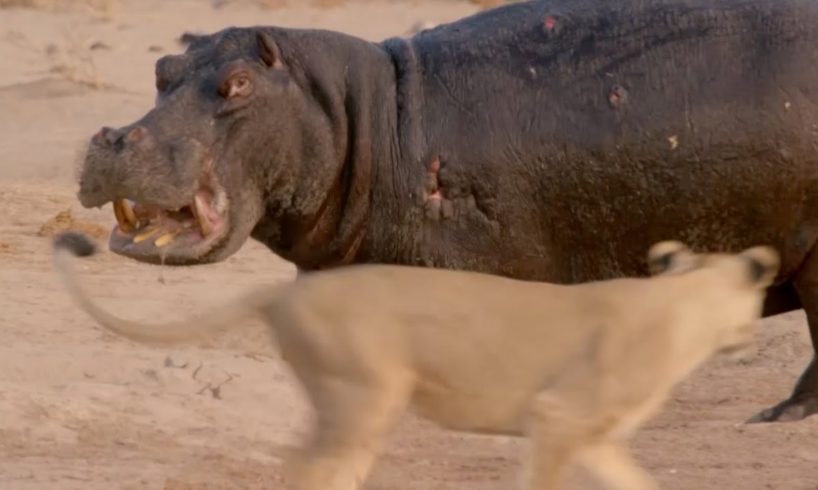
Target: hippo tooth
129,213
125,215
145,235
200,212
164,239
120,217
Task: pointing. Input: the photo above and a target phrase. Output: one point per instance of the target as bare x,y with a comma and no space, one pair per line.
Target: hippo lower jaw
175,236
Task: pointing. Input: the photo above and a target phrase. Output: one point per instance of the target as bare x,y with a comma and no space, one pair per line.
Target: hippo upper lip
96,199
92,199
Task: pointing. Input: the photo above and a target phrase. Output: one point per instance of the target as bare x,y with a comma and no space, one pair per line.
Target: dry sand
86,410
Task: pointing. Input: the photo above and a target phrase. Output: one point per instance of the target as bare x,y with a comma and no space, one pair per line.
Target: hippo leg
801,404
803,401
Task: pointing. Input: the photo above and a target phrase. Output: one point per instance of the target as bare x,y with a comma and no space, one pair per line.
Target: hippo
548,140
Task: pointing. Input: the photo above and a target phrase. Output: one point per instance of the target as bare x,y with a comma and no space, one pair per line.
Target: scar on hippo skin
435,204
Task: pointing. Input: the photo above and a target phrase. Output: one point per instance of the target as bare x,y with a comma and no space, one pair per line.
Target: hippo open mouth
149,230
184,178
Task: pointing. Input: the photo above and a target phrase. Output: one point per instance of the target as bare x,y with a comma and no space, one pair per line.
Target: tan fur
575,368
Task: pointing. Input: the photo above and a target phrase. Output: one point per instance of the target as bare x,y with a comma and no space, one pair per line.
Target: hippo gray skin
549,140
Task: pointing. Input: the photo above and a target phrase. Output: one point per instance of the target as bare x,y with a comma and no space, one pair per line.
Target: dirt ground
80,409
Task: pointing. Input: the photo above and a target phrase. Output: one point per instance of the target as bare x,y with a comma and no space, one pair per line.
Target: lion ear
269,52
669,256
763,264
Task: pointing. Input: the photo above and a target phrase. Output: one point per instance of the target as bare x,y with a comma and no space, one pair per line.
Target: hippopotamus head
233,136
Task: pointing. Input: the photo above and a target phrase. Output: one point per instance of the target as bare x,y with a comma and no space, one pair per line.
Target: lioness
576,368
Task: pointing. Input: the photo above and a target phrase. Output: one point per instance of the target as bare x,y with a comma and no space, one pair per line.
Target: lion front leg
614,466
556,435
352,418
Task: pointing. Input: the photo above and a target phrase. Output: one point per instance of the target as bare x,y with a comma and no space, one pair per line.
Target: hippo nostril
113,137
103,136
135,135
109,137
119,138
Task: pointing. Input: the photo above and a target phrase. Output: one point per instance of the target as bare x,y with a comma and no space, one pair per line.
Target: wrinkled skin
547,140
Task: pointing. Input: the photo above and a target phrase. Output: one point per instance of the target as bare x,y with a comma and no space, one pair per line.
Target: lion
575,368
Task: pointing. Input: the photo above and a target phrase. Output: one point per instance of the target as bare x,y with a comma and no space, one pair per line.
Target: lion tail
69,245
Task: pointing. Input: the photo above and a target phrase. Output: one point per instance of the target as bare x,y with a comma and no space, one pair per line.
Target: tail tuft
75,242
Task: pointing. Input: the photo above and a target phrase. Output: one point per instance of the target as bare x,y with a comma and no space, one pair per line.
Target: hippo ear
268,50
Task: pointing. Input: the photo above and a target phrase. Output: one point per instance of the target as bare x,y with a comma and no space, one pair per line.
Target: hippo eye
236,85
241,84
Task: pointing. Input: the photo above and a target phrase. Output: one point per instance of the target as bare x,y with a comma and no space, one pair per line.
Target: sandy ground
86,410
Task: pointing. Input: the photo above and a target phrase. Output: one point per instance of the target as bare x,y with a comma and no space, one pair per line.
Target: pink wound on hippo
432,192
617,96
431,184
434,165
549,23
